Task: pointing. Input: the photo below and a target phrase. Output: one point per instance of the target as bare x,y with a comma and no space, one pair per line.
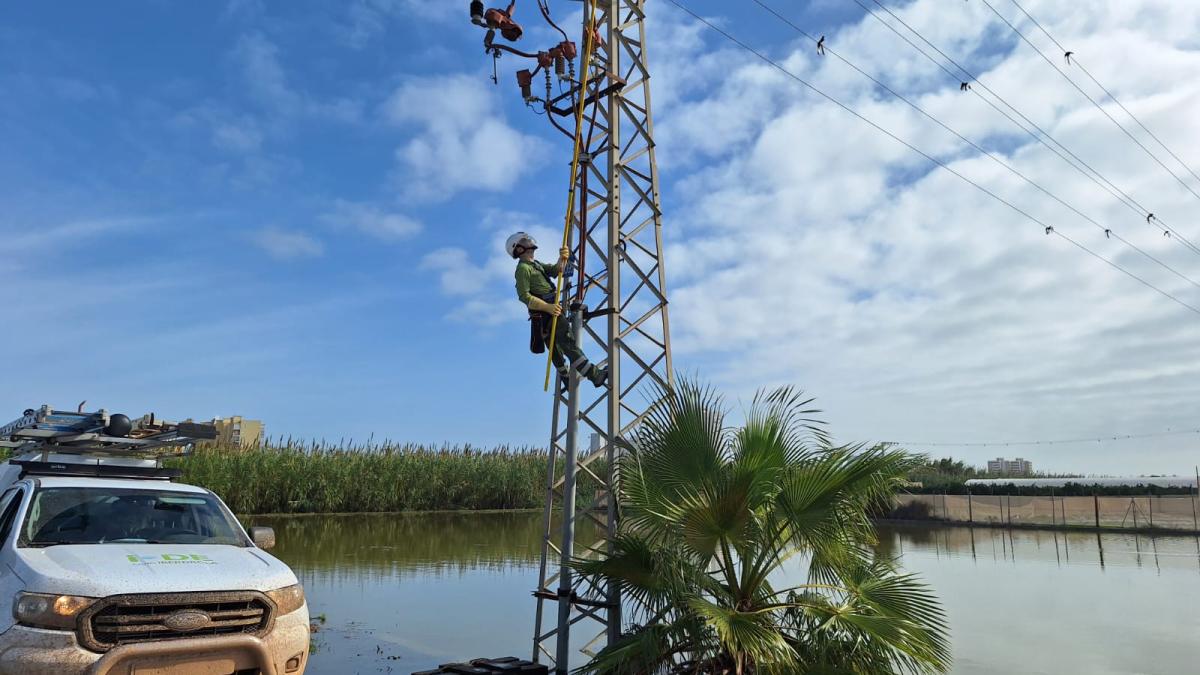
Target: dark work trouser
566,348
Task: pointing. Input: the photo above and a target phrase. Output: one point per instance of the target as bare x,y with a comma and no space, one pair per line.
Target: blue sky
292,211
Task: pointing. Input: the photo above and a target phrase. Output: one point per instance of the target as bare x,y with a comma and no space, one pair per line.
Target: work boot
598,376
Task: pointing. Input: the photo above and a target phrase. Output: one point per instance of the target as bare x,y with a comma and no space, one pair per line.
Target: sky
295,212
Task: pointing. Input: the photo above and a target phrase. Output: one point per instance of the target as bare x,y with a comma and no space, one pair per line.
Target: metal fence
1177,513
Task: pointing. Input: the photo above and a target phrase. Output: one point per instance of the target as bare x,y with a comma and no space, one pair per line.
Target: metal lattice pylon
624,287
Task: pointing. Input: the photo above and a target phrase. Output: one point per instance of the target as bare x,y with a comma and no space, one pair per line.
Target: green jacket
531,280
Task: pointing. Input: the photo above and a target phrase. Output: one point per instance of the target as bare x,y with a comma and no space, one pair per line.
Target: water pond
401,593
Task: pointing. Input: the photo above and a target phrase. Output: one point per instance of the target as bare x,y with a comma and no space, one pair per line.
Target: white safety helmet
519,243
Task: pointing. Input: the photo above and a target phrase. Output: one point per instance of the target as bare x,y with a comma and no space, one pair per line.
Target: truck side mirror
263,537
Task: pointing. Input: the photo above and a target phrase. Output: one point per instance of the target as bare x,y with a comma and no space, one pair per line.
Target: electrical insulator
477,13
560,67
525,80
568,49
501,19
544,59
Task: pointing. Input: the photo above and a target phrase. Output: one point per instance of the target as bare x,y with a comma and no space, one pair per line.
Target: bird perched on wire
821,46
1068,56
1149,218
965,86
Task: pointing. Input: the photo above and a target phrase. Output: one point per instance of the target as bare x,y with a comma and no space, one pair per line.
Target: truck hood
99,570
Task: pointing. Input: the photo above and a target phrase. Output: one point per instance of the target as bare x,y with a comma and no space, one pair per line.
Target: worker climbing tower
618,301
617,244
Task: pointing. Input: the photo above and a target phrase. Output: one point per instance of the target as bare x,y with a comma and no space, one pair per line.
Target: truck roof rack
99,434
96,469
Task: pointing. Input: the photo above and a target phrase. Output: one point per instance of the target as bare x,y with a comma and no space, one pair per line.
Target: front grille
147,617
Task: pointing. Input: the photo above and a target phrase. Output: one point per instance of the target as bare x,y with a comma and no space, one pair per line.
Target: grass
320,478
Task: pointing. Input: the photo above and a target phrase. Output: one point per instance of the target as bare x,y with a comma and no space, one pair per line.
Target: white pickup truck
110,568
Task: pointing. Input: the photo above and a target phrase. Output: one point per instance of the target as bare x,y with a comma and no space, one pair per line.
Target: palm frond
745,633
646,651
710,514
682,439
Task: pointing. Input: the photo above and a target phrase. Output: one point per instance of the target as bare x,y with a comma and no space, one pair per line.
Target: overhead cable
1061,441
1108,232
1095,176
1048,228
1077,62
1094,101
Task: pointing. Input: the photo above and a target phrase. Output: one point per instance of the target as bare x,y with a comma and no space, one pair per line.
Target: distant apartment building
238,432
1010,467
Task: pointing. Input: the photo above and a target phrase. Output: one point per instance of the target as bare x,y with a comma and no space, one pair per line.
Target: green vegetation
714,517
290,478
940,475
438,540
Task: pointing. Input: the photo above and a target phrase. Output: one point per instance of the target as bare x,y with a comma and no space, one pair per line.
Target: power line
1048,228
1097,178
1061,441
1094,101
1105,90
1107,231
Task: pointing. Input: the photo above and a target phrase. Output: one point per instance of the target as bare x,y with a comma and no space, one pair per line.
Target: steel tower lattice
625,289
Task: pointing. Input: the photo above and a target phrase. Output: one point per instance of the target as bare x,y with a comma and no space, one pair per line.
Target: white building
1010,467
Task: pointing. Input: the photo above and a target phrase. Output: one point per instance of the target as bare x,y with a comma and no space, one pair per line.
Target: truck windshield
98,515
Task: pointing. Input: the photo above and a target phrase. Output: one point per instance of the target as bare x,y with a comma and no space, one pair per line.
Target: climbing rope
590,31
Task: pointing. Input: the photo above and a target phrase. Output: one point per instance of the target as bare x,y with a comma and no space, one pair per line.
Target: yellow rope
589,29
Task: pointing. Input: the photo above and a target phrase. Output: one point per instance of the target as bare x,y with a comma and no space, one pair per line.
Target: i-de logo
170,558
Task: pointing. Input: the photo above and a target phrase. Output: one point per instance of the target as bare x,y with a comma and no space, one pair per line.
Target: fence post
1009,499
1150,501
945,511
1195,524
971,510
1096,504
1053,515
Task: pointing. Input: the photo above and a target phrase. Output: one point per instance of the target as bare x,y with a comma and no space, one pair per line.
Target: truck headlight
288,599
49,611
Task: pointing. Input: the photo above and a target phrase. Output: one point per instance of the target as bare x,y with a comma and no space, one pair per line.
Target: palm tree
713,519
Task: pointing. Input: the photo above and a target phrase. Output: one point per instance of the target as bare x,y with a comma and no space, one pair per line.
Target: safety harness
539,322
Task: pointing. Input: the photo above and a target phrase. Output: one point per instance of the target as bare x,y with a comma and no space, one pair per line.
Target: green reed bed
288,477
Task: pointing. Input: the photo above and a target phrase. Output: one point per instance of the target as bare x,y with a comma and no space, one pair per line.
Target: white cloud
288,245
79,91
485,290
243,9
805,247
27,239
368,19
259,58
240,137
267,82
372,221
462,142
457,275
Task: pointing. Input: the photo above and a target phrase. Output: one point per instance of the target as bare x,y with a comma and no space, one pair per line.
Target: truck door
10,503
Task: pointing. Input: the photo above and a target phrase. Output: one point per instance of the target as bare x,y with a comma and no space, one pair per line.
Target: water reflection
402,593
1063,548
406,592
1028,601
